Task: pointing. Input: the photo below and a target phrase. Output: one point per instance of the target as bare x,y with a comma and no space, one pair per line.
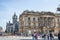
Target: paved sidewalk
19,38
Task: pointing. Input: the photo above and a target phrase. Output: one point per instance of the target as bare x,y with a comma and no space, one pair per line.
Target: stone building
39,21
13,27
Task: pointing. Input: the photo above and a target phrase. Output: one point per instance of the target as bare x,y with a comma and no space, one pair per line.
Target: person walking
33,36
47,36
51,36
36,36
59,35
44,36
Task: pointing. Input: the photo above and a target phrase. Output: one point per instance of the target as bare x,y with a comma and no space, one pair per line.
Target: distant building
39,21
13,27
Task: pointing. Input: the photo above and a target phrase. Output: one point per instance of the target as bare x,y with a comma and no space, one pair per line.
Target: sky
8,7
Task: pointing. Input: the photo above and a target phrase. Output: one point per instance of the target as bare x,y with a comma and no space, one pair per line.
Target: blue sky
8,7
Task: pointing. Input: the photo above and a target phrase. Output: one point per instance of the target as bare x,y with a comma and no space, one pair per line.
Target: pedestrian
44,36
36,36
32,37
51,36
48,36
59,35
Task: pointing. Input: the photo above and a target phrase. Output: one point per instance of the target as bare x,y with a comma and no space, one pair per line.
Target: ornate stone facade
39,21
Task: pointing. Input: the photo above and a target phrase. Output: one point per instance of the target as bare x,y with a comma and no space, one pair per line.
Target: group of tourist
45,36
49,36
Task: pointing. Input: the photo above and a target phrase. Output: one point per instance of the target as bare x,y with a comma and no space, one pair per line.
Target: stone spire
14,17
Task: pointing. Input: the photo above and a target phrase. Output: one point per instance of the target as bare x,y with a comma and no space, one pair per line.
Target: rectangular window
28,18
34,24
38,19
38,24
29,25
33,19
58,20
